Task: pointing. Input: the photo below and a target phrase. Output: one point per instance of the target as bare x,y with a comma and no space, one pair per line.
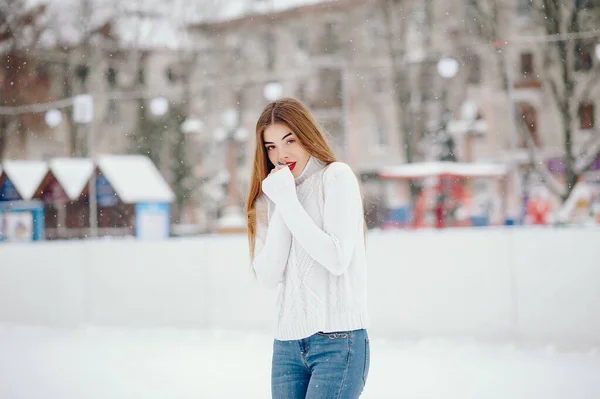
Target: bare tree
564,28
34,46
23,79
395,31
162,138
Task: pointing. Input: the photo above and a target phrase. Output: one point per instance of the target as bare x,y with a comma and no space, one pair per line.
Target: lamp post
468,128
273,91
447,69
192,126
159,106
232,219
83,114
53,117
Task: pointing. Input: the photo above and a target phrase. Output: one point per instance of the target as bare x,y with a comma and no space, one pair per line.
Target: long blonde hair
293,114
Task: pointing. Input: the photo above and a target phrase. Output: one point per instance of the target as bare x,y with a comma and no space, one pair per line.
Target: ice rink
114,363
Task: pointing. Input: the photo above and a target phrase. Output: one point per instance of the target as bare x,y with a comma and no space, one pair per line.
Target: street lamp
53,117
83,112
159,106
447,69
468,127
273,91
192,126
232,220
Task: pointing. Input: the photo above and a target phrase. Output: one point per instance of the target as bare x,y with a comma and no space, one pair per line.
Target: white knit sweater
310,245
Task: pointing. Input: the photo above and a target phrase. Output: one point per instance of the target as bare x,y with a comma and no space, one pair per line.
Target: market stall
21,217
446,194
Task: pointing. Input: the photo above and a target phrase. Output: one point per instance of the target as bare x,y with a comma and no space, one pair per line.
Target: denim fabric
325,365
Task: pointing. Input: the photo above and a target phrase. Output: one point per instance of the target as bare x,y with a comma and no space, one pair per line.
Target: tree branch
591,80
591,150
574,20
488,21
548,63
550,16
550,181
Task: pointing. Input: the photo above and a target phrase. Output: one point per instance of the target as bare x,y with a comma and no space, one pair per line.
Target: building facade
367,69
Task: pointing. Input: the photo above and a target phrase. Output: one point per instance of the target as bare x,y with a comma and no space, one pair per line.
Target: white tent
432,169
73,174
25,175
135,179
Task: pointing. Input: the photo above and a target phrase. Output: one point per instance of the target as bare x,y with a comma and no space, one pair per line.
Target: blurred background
506,91
471,125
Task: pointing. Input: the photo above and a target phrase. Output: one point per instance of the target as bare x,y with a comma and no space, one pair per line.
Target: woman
306,233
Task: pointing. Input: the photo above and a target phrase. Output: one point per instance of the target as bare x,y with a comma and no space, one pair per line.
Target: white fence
538,285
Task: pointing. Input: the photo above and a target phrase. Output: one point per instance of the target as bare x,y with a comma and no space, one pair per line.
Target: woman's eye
269,148
291,141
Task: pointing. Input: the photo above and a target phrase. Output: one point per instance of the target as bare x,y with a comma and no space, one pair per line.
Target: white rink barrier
519,284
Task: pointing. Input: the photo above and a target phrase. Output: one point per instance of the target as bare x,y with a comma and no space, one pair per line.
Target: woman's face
282,145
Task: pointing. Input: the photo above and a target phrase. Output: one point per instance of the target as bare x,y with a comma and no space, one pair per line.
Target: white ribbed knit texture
313,296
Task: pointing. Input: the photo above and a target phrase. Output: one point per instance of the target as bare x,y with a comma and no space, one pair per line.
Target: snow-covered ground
110,363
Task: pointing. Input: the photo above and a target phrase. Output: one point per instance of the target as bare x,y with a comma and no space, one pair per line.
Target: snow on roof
240,8
428,169
25,175
461,127
72,174
135,178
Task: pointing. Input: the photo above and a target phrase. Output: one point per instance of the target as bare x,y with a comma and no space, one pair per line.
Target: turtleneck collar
313,165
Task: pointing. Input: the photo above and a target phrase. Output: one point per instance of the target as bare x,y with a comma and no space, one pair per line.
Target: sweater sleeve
333,246
272,247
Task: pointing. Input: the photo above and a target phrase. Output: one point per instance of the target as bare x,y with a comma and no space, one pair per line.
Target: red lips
291,165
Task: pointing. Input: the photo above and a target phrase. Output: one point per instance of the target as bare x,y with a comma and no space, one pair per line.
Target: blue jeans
330,365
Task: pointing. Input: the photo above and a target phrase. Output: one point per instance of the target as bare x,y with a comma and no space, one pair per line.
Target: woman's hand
277,168
279,187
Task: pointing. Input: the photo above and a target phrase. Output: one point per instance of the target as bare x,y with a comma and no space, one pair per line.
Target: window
301,42
330,41
583,55
42,72
524,7
43,78
527,65
377,84
586,116
381,134
269,39
301,91
82,71
170,75
377,27
329,94
529,116
237,52
112,112
584,4
428,75
207,100
474,69
111,77
240,104
473,17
